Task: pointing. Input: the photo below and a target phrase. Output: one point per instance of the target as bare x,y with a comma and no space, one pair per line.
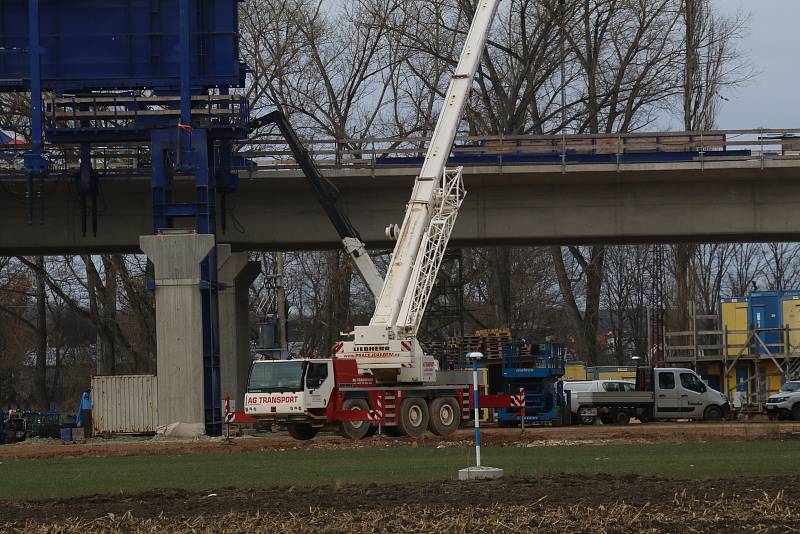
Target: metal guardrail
270,152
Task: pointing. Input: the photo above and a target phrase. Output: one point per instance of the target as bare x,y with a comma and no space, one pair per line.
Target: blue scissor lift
538,368
152,72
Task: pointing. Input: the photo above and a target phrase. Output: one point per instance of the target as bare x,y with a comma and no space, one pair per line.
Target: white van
596,386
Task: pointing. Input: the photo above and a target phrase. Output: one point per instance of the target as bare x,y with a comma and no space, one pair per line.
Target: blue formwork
539,375
119,44
765,316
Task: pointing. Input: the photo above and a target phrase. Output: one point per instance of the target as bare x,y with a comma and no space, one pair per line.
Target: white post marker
479,471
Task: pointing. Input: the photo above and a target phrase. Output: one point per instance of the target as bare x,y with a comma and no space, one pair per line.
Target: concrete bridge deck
728,200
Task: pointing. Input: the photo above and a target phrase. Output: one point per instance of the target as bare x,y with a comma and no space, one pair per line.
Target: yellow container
611,373
773,377
574,371
734,317
791,319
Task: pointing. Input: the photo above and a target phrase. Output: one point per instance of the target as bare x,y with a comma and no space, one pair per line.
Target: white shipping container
125,404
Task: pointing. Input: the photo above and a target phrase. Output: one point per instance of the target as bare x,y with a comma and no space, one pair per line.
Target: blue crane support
181,52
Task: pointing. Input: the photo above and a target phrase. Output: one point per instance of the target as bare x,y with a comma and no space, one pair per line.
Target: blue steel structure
156,71
539,372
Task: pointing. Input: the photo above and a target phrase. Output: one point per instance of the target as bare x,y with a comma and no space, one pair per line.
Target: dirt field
552,503
494,437
597,503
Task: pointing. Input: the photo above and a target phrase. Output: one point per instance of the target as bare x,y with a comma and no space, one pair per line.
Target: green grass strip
68,477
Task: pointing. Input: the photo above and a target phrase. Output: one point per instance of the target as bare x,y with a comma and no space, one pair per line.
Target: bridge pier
176,256
236,274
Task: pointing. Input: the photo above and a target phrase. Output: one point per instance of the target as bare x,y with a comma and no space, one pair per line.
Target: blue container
765,312
109,44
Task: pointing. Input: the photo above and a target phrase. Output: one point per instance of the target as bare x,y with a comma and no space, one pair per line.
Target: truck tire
414,417
713,413
796,411
621,418
302,431
445,416
588,420
354,429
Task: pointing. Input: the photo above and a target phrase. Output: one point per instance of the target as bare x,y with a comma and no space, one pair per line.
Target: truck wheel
588,419
302,431
621,418
606,419
796,411
713,413
445,416
414,417
354,429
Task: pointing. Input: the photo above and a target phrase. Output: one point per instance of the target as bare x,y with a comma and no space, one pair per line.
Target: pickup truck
660,393
786,403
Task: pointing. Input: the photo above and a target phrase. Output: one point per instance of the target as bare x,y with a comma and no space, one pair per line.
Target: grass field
40,479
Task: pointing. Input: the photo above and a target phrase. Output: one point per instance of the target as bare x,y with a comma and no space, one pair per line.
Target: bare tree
625,298
712,62
710,265
746,268
782,265
591,262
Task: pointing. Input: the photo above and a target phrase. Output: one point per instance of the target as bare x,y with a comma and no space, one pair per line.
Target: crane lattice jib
397,287
447,202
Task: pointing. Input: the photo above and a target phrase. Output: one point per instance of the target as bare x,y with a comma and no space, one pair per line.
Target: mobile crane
381,375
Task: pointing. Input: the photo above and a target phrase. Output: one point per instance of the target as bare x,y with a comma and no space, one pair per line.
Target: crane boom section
328,197
397,287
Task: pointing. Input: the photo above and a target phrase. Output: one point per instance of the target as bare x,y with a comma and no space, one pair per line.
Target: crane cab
289,389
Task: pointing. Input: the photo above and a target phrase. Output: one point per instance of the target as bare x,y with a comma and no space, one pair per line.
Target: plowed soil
495,437
598,503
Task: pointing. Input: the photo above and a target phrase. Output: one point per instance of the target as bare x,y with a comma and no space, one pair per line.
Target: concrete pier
176,256
236,273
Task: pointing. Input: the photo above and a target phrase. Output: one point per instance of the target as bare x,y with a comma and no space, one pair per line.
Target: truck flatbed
600,398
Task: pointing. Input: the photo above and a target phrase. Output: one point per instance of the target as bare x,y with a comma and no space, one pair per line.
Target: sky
772,98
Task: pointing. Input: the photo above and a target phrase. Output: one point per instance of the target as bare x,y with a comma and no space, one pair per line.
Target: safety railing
267,152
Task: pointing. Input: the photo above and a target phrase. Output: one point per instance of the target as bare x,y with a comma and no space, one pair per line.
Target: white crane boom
388,347
399,287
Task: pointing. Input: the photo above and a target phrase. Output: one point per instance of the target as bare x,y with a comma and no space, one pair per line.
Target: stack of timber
492,341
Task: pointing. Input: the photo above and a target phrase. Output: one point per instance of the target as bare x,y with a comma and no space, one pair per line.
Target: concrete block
480,473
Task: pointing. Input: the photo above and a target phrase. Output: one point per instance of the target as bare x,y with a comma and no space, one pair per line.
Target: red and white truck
332,393
380,375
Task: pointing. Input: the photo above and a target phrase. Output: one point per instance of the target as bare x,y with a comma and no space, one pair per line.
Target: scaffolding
708,342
